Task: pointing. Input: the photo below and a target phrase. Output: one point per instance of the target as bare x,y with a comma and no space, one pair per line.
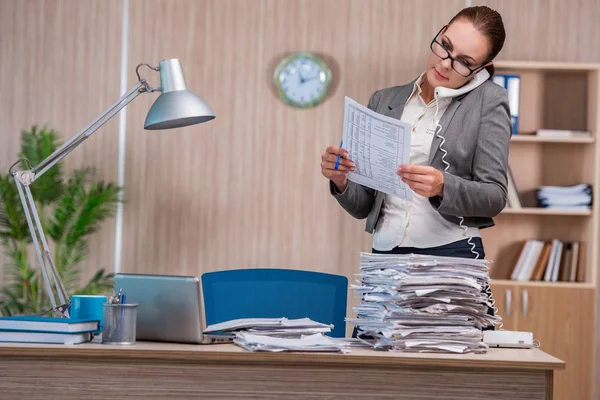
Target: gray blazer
477,129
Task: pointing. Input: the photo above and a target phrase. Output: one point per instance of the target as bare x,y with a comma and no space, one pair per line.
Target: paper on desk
265,323
298,323
242,323
312,343
287,332
378,145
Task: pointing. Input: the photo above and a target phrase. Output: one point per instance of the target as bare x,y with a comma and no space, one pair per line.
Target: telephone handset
477,80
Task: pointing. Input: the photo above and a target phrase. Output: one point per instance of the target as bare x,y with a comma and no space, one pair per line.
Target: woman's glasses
442,51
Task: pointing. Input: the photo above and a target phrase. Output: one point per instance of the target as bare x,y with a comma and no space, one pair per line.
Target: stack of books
418,303
36,329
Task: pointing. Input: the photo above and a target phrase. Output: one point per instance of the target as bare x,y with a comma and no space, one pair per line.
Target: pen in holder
119,321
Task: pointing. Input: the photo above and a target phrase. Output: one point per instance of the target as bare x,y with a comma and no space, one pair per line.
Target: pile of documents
422,303
280,334
576,197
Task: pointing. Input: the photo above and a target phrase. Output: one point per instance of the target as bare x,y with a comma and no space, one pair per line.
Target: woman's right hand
339,176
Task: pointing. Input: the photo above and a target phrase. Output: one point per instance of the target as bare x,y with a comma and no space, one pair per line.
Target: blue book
45,337
47,324
512,84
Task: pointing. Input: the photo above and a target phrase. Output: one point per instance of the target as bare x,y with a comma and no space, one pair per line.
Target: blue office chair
274,293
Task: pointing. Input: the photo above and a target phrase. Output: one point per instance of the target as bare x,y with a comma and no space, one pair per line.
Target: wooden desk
172,371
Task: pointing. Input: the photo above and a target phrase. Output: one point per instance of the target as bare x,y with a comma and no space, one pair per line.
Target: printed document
378,145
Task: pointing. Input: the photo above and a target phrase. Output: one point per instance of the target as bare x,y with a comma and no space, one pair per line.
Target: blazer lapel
396,106
446,118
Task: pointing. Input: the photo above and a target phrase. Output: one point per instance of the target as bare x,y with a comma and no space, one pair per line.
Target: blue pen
337,161
122,301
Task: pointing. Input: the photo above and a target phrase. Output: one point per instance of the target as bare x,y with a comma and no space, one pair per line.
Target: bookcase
561,315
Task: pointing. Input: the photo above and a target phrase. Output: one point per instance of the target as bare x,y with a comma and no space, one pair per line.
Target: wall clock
302,80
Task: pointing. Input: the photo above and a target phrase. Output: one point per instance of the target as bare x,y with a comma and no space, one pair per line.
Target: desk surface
226,371
531,359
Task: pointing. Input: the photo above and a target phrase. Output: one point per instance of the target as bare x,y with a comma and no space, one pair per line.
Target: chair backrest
274,293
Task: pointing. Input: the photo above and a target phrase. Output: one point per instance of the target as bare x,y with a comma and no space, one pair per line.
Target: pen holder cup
119,323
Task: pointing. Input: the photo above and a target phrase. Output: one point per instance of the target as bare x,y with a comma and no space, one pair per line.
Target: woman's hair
489,23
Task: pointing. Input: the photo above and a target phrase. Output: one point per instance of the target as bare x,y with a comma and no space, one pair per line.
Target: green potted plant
71,210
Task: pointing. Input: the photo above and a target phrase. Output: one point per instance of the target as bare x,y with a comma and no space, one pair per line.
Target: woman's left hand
423,179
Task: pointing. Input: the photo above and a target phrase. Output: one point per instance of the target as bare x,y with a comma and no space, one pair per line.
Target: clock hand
302,79
311,78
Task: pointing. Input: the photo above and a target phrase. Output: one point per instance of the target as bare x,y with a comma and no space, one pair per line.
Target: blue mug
88,307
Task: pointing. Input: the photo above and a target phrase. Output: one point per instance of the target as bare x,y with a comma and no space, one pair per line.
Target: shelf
537,65
545,211
523,138
580,285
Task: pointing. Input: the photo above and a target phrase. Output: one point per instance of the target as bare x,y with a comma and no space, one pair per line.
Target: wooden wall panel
549,30
60,66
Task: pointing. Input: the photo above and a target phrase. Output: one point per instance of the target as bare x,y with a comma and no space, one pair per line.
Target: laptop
169,308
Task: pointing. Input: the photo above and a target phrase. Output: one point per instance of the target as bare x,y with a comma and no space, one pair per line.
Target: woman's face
463,42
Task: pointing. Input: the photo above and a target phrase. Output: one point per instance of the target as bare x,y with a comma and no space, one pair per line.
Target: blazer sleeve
357,199
485,194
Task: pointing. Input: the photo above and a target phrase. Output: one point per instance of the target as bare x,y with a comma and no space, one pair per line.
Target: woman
459,147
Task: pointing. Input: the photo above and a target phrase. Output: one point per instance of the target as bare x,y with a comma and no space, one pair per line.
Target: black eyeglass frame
452,59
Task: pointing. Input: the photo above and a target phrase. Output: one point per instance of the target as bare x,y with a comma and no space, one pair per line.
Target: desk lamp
175,107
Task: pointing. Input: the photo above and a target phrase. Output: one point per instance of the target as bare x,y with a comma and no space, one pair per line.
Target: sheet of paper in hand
378,145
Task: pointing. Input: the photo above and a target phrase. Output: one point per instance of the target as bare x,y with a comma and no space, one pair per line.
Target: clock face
302,80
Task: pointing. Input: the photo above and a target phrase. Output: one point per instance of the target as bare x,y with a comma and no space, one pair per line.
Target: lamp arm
23,179
89,129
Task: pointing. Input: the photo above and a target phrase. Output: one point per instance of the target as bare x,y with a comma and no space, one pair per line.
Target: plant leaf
36,146
66,260
100,283
5,225
99,203
74,195
13,223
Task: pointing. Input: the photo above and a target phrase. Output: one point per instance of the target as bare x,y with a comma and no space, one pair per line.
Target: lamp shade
176,106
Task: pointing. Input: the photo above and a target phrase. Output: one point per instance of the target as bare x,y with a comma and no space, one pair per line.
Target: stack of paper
271,326
312,343
423,303
280,334
576,197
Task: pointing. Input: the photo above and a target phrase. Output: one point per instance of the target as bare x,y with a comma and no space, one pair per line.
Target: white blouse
416,223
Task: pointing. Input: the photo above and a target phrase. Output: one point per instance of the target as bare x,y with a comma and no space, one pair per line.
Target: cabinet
561,315
505,301
562,320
